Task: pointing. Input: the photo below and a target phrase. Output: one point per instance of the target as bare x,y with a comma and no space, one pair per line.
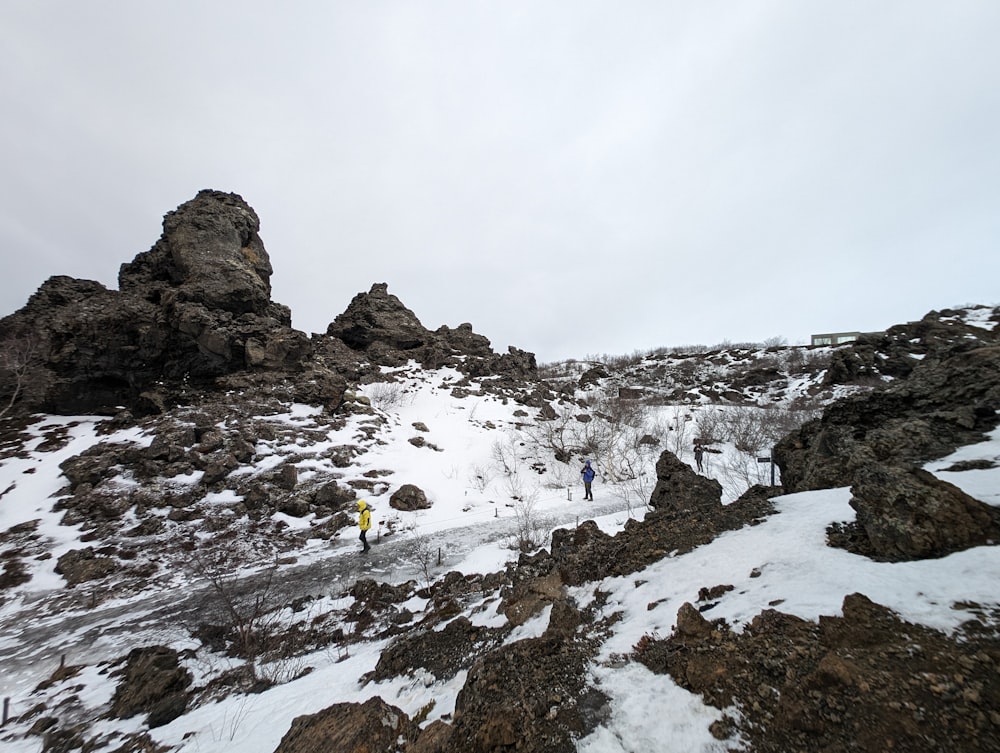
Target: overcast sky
571,177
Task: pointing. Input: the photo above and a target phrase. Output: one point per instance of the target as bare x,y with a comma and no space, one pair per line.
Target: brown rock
409,497
370,727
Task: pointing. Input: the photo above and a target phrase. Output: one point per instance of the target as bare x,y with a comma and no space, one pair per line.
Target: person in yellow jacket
364,523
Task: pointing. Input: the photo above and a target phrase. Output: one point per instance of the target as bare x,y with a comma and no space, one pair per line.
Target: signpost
770,460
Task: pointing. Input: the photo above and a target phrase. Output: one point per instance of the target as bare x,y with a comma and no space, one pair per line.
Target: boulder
154,683
909,514
331,495
408,498
370,727
679,488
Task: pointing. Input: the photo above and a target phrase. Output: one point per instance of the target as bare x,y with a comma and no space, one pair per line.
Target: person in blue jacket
588,478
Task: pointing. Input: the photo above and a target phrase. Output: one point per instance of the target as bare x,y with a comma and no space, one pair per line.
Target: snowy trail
63,627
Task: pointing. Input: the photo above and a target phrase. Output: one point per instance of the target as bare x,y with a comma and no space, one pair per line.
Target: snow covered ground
784,560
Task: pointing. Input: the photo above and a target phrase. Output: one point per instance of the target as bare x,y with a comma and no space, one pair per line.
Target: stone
678,487
370,727
210,253
408,498
81,565
909,514
949,399
196,306
378,317
154,683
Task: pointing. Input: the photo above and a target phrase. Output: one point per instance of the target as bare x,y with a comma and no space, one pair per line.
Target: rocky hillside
179,473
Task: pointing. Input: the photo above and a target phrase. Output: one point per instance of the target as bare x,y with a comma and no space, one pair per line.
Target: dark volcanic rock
587,554
81,565
379,317
679,488
864,681
531,695
154,683
379,325
194,307
210,254
442,652
949,399
370,727
910,514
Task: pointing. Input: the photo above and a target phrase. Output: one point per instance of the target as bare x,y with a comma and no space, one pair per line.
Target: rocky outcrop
210,254
378,318
949,399
378,325
680,489
677,525
896,352
876,442
194,307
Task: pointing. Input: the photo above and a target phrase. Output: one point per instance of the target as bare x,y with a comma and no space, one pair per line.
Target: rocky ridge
193,354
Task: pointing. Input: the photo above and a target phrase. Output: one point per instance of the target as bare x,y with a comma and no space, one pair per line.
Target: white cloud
720,172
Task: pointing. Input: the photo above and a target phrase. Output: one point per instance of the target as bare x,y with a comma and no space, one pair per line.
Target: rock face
194,307
210,254
875,443
949,399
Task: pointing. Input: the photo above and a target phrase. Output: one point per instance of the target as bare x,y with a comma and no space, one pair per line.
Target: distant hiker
588,478
699,453
364,523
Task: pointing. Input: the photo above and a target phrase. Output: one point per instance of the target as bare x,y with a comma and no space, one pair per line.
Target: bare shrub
18,355
528,533
505,453
480,477
712,425
388,395
241,612
559,436
679,425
